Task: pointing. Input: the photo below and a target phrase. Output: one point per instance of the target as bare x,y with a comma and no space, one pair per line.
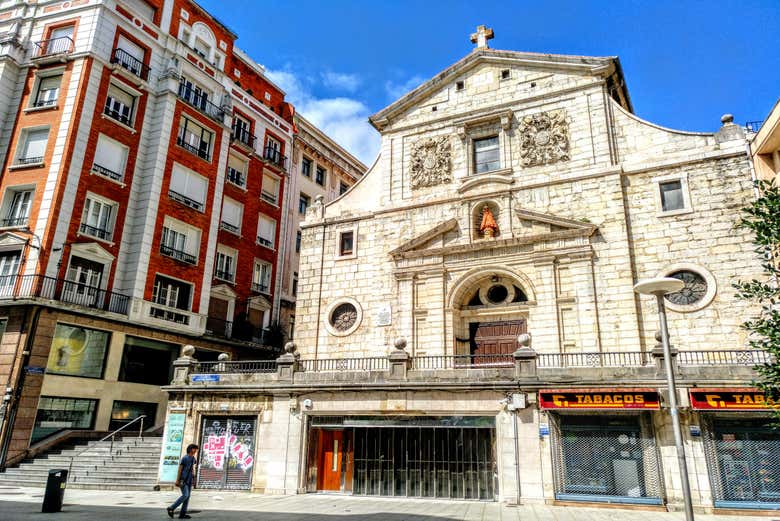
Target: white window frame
687,206
192,237
102,138
39,78
134,94
223,252
21,146
267,195
9,199
89,201
187,199
257,273
234,228
167,299
235,159
339,233
186,124
272,239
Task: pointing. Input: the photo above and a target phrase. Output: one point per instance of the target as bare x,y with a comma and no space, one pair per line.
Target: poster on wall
227,453
172,441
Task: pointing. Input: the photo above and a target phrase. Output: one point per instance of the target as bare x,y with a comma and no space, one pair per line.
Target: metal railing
235,177
63,290
235,330
199,100
244,137
28,160
262,241
753,126
232,228
169,314
202,151
183,199
116,176
259,288
269,197
178,254
604,359
749,357
94,231
61,45
125,119
14,221
110,436
374,363
130,63
44,103
275,157
249,366
226,275
462,361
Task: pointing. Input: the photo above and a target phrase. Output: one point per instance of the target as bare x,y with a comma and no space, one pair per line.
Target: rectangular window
266,231
123,412
58,414
171,293
78,351
32,146
320,176
98,218
273,151
295,284
47,91
346,243
298,235
242,131
147,361
188,188
303,203
142,8
110,158
195,138
270,190
671,195
261,277
306,167
180,241
236,171
225,268
83,284
201,48
120,105
9,271
343,187
60,41
486,156
232,212
17,207
130,57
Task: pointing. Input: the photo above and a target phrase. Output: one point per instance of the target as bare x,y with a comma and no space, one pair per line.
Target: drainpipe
6,429
515,419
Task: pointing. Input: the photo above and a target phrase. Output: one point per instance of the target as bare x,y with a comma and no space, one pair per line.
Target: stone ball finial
400,343
223,357
727,119
319,199
188,350
290,347
658,337
524,340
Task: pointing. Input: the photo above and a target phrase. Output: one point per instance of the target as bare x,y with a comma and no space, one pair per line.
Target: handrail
110,435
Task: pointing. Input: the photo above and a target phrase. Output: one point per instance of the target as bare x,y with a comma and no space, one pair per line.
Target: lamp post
659,287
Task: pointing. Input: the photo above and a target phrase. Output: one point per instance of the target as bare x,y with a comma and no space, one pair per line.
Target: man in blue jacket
184,480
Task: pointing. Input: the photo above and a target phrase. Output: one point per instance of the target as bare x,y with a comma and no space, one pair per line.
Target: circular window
497,294
343,317
697,292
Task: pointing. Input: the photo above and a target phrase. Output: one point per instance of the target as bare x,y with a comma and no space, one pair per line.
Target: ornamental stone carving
431,162
544,138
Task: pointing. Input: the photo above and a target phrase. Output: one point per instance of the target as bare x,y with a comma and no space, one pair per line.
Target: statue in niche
488,228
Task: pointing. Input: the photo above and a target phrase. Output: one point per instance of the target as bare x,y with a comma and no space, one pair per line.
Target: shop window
188,188
123,413
78,351
57,414
147,361
486,156
120,105
32,146
110,158
226,453
266,231
47,91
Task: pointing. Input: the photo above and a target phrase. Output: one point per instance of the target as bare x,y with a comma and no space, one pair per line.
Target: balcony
179,255
52,47
232,228
275,157
183,199
244,138
28,161
199,100
227,276
96,232
125,118
130,63
160,315
262,241
62,290
269,197
105,172
202,151
260,287
235,330
14,222
235,177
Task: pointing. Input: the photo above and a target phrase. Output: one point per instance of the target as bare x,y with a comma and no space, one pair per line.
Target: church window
497,293
343,317
671,196
346,243
694,290
486,154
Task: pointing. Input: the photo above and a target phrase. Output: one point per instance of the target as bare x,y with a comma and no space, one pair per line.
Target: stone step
117,460
43,472
98,485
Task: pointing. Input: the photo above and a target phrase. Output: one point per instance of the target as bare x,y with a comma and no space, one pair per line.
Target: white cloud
344,119
341,81
397,89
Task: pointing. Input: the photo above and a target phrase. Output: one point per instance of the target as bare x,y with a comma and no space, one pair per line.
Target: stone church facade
467,325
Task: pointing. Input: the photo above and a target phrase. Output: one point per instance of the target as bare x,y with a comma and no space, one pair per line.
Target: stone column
399,361
183,365
287,364
525,358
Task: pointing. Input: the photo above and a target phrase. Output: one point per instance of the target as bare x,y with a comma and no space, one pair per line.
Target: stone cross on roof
482,36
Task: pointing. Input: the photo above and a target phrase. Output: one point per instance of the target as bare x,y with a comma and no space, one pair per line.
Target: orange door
331,460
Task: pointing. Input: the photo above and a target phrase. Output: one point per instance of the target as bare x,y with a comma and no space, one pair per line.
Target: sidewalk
95,505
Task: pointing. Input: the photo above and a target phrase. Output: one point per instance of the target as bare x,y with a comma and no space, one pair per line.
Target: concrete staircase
133,465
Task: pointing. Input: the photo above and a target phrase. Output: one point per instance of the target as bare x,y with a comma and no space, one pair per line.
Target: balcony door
495,341
9,271
83,282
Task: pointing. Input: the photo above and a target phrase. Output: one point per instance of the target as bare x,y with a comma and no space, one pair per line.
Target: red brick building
144,161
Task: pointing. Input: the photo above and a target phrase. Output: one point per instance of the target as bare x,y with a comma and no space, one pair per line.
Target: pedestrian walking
184,480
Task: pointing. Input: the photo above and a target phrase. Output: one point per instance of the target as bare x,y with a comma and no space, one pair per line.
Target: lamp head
658,286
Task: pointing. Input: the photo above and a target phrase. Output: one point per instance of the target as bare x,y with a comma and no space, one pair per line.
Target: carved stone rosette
544,138
431,162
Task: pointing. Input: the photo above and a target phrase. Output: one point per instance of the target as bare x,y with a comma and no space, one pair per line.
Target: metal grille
743,458
605,458
227,450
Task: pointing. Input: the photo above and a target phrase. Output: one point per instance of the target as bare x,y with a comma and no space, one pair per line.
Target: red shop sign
742,399
599,399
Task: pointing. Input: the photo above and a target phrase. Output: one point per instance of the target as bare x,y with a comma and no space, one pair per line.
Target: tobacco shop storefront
603,445
741,445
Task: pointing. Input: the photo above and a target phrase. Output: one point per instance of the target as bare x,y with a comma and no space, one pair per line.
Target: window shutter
130,48
196,188
231,213
110,155
267,229
237,164
35,145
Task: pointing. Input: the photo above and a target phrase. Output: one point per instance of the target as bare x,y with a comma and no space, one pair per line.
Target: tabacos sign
599,399
729,400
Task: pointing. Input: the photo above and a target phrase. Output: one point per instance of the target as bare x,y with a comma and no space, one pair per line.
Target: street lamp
659,287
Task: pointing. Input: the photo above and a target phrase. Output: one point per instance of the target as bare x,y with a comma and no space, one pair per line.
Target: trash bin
55,490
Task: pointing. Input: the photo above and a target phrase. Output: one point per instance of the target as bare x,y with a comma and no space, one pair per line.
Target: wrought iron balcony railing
235,330
224,275
202,151
265,242
116,176
94,231
244,137
179,255
62,290
229,227
32,160
235,177
124,118
199,100
130,63
14,222
268,196
273,156
258,287
61,45
183,199
753,126
44,103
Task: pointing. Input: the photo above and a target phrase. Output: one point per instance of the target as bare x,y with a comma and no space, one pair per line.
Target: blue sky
686,62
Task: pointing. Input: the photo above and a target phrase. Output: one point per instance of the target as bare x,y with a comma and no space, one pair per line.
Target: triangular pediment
223,291
11,241
435,90
92,251
531,228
